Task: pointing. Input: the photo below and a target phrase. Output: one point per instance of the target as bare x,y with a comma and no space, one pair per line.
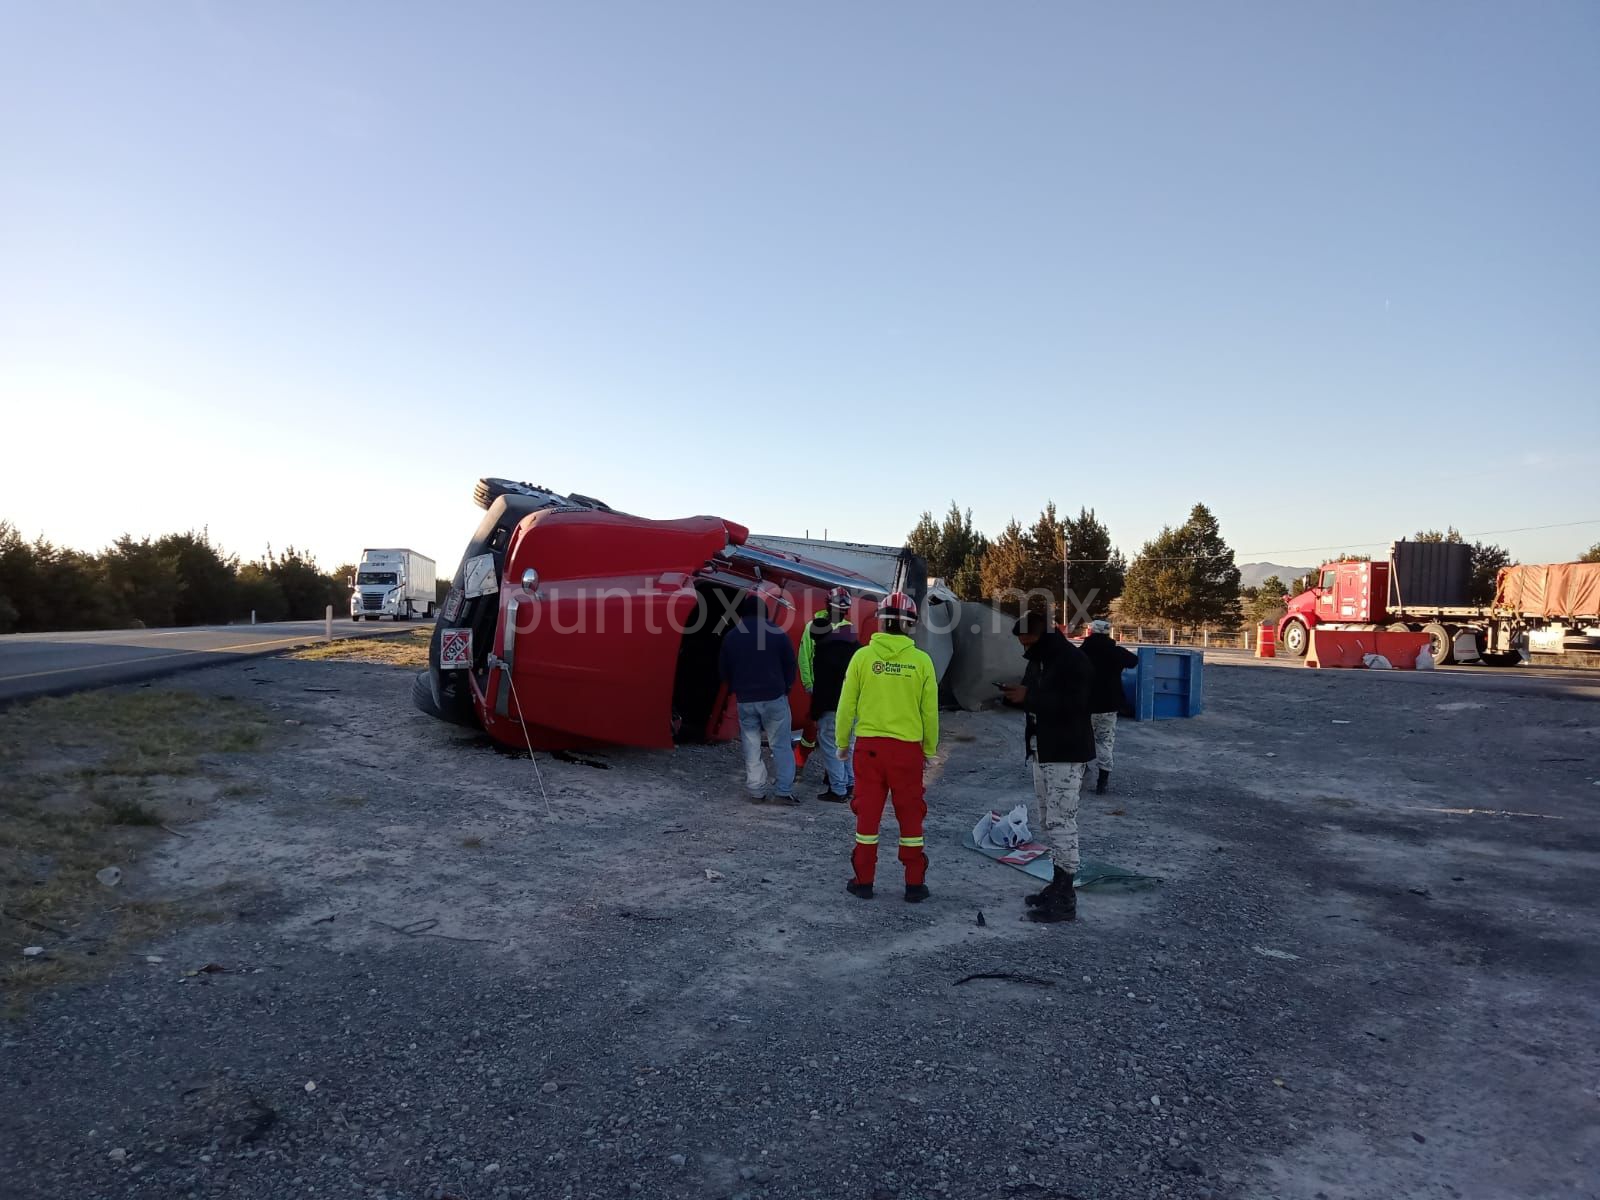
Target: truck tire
1441,642
486,491
453,711
1399,627
1296,639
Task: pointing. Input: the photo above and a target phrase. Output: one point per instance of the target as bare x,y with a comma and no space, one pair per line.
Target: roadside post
327,624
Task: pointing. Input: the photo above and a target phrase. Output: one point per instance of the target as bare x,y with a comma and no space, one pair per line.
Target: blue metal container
1167,683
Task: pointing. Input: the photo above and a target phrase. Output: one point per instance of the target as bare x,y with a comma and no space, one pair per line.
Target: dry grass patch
407,649
87,782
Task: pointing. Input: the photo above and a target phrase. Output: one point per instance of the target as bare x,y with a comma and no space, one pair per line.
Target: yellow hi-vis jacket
890,691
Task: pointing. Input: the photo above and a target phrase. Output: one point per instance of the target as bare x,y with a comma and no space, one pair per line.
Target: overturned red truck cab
570,626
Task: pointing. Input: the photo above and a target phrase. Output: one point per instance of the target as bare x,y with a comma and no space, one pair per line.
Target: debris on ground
1010,976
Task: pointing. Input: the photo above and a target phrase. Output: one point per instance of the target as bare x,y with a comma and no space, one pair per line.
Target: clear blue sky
303,271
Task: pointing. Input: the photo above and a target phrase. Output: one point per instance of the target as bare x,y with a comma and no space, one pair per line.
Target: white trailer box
392,583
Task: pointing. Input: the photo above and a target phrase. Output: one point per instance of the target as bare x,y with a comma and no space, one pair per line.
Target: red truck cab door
1327,595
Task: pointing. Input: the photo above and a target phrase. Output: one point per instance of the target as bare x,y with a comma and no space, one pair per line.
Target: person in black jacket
1105,693
1054,692
835,645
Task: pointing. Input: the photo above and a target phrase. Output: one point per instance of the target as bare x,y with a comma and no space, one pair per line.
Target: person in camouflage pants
1054,692
1105,693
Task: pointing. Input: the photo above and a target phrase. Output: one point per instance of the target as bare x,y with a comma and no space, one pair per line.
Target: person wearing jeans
841,771
772,719
835,646
757,662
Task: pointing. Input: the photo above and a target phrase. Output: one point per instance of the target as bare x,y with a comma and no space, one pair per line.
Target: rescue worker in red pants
891,698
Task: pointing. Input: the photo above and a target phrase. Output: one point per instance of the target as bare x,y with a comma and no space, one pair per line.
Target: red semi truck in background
1423,587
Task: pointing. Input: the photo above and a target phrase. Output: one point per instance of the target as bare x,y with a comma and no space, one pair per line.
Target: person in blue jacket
759,666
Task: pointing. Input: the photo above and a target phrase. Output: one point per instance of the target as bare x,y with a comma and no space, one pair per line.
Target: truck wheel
1296,638
486,491
1441,643
457,708
1399,627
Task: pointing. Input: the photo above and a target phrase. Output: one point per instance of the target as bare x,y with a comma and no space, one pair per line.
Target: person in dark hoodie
835,646
1054,692
758,664
1105,693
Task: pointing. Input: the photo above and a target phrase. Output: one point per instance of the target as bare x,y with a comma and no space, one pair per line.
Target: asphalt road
1579,683
42,664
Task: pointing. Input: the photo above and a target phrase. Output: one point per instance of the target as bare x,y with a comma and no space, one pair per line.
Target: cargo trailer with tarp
1424,587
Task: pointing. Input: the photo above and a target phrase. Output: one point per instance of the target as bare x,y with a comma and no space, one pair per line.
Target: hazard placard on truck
455,650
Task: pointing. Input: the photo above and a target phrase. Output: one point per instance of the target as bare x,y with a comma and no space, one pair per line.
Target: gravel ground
1344,986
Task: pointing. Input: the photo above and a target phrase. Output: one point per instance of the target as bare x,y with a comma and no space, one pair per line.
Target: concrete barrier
1402,649
1341,647
1349,648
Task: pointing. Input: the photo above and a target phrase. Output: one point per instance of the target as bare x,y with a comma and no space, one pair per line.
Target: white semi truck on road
392,583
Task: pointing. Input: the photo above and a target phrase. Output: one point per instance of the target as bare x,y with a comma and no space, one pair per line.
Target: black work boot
861,891
1058,881
1102,783
831,796
1061,905
916,893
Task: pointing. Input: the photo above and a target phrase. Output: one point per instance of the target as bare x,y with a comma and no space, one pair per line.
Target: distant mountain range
1252,574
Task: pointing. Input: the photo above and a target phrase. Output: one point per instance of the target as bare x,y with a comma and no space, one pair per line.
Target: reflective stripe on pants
889,770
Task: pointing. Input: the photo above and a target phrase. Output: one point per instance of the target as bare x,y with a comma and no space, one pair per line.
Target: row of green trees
179,579
1185,575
